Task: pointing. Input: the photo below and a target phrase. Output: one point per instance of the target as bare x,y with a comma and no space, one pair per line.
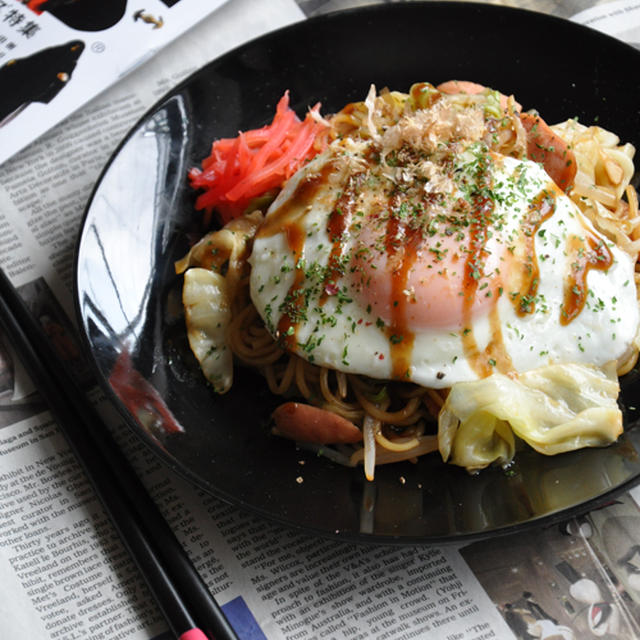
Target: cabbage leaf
556,408
207,315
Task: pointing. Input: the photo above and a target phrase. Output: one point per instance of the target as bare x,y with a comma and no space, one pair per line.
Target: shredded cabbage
554,409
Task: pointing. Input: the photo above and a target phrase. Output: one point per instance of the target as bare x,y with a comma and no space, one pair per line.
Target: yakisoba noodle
377,406
397,418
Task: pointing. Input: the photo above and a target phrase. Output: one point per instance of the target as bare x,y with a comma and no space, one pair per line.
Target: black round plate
141,218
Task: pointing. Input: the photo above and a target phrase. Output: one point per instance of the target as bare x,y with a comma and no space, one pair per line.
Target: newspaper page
620,19
55,56
65,574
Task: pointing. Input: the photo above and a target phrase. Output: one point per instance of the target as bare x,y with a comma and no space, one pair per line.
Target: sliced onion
369,428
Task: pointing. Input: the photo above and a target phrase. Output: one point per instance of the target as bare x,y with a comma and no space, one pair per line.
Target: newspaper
55,56
620,18
65,574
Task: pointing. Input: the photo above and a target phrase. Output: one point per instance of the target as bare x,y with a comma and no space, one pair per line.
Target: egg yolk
412,279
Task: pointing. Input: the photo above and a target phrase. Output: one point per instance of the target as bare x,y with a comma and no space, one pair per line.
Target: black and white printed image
578,580
82,15
18,397
36,78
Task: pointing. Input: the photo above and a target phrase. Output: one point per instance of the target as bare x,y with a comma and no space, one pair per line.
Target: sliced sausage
306,423
544,146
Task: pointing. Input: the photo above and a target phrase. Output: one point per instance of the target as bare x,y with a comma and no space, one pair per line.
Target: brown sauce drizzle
295,208
337,224
402,244
496,349
294,301
584,253
482,362
541,208
495,356
287,219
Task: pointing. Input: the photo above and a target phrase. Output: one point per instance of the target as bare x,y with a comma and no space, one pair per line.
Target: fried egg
437,268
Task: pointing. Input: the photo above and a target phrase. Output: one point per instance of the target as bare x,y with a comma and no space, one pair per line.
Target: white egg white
335,329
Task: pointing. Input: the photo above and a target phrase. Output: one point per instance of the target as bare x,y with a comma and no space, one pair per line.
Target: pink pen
193,634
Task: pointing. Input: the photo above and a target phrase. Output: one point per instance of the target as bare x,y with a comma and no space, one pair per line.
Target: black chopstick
178,588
